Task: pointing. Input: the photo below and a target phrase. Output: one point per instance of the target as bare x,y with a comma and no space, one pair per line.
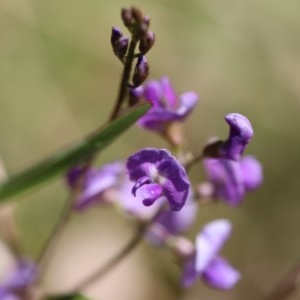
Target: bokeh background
58,81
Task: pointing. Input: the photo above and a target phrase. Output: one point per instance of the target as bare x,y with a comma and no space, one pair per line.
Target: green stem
125,79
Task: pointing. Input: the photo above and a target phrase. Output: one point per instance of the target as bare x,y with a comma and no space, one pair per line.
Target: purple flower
172,223
19,279
205,263
240,135
166,107
157,174
232,179
96,182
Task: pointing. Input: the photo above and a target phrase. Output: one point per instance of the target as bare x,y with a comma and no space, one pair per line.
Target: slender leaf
61,161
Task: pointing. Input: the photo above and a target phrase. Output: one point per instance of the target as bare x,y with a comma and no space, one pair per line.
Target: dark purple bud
120,47
147,42
126,15
141,71
115,35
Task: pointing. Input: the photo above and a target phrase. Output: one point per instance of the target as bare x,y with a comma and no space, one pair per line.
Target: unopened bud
141,71
120,47
126,15
147,42
137,14
135,94
115,35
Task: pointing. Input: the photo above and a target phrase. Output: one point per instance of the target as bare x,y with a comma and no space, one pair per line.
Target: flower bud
136,14
115,35
126,15
147,42
120,47
141,71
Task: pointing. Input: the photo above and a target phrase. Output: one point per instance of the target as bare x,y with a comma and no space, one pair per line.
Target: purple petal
153,92
143,163
176,186
97,182
177,222
188,102
252,172
133,205
150,193
189,273
227,179
169,93
210,241
157,118
220,274
140,182
240,135
6,295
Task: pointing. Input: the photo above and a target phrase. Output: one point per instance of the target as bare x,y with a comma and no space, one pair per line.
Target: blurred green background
59,79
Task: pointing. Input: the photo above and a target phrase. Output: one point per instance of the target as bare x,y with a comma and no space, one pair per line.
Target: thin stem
288,286
193,161
63,218
121,255
125,79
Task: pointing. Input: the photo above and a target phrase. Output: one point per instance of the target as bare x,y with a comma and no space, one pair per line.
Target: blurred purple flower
166,107
232,179
96,182
173,222
205,263
240,135
18,280
157,173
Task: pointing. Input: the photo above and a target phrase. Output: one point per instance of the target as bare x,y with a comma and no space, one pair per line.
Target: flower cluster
153,186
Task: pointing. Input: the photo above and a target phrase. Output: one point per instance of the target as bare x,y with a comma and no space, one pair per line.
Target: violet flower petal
240,134
153,92
173,222
133,205
168,92
252,172
189,273
96,182
150,193
227,179
220,274
209,242
177,222
188,101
